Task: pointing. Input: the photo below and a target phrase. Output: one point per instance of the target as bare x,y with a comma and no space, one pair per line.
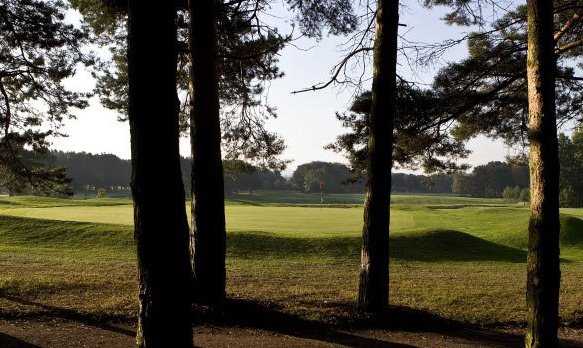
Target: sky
306,121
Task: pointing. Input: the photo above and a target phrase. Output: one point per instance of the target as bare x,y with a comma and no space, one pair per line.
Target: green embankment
458,257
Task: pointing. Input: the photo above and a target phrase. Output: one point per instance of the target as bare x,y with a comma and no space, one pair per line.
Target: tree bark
160,223
543,275
208,234
373,292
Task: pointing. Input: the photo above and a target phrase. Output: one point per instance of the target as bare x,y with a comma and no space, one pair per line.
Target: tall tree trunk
543,279
208,235
373,292
160,223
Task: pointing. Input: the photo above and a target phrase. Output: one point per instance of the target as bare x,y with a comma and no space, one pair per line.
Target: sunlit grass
457,257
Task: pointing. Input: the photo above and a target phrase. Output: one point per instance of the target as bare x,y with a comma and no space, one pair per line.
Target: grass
457,257
300,198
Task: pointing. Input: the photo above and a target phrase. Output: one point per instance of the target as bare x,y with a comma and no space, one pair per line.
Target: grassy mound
456,257
425,246
39,202
571,231
293,198
450,245
53,234
429,232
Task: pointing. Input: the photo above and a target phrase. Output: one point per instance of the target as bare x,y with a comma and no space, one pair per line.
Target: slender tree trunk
373,292
161,228
543,279
208,235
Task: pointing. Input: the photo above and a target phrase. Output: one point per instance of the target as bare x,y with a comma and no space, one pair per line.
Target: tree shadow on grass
351,330
576,323
427,246
100,322
415,320
266,316
237,313
12,342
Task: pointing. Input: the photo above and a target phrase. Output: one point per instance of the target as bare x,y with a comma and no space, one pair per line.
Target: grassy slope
449,222
458,257
291,197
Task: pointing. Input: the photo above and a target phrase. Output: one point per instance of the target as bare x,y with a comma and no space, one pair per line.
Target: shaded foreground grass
464,263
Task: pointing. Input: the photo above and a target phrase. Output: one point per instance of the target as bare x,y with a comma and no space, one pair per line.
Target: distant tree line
242,176
571,169
412,183
510,179
106,174
91,172
491,180
98,172
324,176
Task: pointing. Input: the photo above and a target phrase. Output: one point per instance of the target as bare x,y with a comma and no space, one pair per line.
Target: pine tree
523,77
543,269
160,224
247,61
38,52
420,138
208,232
373,290
487,92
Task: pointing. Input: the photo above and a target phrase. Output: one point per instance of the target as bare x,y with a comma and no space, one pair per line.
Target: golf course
457,258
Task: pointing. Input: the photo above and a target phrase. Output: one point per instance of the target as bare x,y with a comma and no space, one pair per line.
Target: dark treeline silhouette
413,183
490,180
330,177
92,172
242,176
571,167
97,173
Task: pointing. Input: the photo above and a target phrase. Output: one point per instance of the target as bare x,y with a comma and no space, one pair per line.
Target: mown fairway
460,258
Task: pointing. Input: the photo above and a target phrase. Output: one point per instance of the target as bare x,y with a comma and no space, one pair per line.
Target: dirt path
62,334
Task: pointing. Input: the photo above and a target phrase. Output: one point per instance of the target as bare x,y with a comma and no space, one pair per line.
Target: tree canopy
38,52
486,93
326,176
491,179
248,57
571,159
421,140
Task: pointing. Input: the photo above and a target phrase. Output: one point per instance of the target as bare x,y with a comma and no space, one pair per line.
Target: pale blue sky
306,121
